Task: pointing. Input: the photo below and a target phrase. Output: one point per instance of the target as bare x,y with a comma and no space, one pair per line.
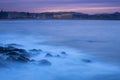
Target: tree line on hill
59,15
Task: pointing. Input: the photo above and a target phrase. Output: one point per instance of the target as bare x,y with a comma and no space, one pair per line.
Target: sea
95,40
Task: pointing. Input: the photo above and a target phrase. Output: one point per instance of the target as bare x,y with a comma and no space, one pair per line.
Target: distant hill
59,15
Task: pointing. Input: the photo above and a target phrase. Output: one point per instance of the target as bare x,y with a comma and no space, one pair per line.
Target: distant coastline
10,15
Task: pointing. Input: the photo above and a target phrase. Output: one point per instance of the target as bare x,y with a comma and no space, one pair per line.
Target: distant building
59,16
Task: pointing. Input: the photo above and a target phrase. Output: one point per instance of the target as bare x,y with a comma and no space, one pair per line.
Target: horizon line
59,12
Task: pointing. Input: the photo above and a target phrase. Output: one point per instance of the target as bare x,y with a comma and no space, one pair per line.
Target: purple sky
85,6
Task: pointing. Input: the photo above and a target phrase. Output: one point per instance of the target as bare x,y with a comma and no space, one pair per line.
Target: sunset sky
85,6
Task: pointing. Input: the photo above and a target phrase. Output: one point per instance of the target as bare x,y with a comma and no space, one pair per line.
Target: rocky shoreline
10,53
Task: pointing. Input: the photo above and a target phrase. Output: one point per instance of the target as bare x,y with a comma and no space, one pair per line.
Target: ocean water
95,40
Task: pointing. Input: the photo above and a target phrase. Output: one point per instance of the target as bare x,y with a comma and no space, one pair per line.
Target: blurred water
101,38
96,38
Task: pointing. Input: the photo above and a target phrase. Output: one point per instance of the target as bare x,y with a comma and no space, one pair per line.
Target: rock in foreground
45,62
14,54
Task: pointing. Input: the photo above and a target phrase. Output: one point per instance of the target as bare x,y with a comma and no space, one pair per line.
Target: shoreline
65,19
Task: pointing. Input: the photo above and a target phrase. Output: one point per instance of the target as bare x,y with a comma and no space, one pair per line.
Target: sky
84,6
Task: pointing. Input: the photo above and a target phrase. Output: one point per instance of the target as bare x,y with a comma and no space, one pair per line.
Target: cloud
58,5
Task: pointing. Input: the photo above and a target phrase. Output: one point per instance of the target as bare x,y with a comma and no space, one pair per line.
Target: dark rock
64,53
34,52
86,60
48,55
57,56
15,54
14,45
18,58
44,62
12,50
23,59
3,50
